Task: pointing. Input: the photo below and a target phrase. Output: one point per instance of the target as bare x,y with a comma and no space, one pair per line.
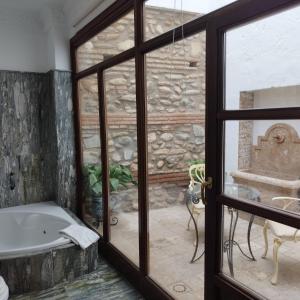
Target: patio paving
171,248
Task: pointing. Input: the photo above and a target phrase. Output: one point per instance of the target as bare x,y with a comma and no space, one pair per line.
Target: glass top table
238,191
233,190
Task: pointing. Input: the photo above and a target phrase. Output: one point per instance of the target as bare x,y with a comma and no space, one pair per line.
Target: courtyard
172,247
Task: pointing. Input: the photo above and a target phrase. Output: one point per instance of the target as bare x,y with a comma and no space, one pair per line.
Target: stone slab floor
104,284
171,248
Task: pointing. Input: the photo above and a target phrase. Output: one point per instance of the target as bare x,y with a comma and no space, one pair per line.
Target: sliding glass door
188,134
257,128
175,76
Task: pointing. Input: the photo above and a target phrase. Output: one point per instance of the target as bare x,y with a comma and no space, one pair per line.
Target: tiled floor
104,284
171,248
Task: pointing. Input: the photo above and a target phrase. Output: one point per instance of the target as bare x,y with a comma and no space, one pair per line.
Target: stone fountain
274,164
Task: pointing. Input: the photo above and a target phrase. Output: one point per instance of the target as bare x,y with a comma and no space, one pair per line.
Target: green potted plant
119,178
93,190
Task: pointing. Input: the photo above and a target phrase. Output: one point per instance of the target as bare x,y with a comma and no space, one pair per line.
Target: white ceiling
32,5
72,10
81,7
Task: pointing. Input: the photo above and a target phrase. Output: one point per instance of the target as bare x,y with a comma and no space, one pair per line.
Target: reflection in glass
91,151
262,254
123,161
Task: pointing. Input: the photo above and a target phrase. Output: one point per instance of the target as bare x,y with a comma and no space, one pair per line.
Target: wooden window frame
215,24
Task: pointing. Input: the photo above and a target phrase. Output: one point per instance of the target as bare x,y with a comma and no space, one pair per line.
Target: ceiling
32,5
73,10
36,6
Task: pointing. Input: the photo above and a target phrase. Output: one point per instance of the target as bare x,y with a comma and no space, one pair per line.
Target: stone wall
160,195
173,146
36,134
120,36
161,19
175,98
65,140
21,178
245,132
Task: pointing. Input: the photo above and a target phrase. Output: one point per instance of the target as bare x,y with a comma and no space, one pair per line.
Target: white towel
4,293
80,235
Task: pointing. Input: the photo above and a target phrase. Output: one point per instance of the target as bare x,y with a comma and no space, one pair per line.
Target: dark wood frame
217,285
242,12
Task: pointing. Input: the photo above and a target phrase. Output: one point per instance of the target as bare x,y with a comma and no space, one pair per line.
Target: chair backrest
197,174
287,201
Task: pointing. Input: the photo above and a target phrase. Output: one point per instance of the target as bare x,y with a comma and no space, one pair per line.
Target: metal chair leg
277,244
265,231
189,223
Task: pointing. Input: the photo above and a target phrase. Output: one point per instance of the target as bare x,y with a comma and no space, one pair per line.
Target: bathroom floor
105,283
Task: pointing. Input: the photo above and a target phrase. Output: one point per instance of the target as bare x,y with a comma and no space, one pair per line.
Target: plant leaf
114,183
97,189
92,179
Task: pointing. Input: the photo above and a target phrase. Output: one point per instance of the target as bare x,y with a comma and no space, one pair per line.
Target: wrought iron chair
197,177
282,233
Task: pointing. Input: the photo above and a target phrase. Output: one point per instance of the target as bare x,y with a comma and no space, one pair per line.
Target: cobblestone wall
175,97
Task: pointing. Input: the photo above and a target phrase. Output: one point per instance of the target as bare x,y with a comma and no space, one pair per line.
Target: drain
179,288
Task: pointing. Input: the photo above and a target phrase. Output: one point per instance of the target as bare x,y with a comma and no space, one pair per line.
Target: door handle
206,184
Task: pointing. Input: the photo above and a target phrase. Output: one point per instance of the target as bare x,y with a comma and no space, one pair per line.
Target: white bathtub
28,229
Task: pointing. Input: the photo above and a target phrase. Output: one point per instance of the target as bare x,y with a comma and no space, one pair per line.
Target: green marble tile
105,283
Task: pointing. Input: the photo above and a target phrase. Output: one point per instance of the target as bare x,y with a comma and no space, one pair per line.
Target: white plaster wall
57,35
261,55
33,42
279,97
35,38
22,42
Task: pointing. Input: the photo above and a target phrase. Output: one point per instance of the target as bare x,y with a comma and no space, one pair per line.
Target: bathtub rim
53,210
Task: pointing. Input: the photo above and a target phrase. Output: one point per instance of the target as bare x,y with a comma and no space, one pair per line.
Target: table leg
194,259
228,245
231,242
249,237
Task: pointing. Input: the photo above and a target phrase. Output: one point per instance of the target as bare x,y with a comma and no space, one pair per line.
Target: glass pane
164,15
263,63
123,161
176,140
91,151
245,258
113,40
262,161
